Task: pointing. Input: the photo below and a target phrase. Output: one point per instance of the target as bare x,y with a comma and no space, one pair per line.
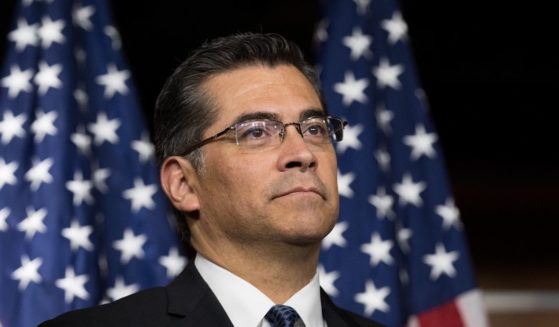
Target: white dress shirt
246,305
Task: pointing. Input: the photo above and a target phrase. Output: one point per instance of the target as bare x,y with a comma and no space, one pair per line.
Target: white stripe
470,305
521,301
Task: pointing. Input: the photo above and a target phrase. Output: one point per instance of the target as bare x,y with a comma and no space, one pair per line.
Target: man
247,161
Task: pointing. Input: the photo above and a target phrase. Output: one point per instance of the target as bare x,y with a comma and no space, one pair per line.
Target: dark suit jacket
187,301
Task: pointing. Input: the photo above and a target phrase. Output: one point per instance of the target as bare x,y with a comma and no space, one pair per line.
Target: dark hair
183,110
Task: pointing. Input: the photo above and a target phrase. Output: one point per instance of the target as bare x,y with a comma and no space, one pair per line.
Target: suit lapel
332,314
192,302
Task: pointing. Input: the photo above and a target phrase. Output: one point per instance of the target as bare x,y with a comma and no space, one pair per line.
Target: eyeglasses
257,134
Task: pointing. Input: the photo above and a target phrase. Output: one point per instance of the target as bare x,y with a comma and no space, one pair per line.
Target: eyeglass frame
233,127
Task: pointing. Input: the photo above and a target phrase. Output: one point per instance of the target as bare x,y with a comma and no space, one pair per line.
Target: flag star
321,33
362,6
33,223
104,129
383,203
144,147
81,98
403,236
73,286
409,191
378,250
140,195
174,263
130,246
335,237
78,236
351,138
51,31
396,27
28,272
24,35
81,189
114,81
47,77
120,289
82,17
100,176
450,214
358,43
11,126
384,117
344,182
18,81
44,125
39,173
352,89
4,213
113,34
404,276
373,298
327,280
387,75
441,262
421,143
80,55
81,140
383,159
7,171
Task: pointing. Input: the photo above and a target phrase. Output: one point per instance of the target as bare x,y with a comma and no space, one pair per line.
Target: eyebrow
314,112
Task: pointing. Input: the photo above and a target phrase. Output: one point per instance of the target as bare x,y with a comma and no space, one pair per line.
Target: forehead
281,90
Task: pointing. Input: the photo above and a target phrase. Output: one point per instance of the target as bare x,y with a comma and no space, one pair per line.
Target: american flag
398,253
82,218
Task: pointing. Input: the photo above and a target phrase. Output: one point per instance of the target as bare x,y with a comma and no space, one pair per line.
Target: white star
144,147
396,27
104,129
120,289
51,31
24,35
358,43
140,195
81,56
114,81
100,176
441,262
387,75
28,272
403,236
409,191
47,77
173,263
17,81
450,214
421,143
11,126
373,298
81,140
78,236
383,203
81,189
4,213
33,223
383,159
82,17
321,33
130,245
112,33
39,173
378,250
352,89
344,181
73,286
44,125
362,6
327,280
81,98
351,138
7,171
335,237
384,117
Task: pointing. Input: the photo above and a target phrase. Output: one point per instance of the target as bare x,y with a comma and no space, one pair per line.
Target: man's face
287,193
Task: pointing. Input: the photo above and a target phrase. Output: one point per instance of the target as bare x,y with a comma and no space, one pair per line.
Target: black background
489,72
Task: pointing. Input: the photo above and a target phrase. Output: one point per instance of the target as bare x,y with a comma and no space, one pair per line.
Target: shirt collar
246,305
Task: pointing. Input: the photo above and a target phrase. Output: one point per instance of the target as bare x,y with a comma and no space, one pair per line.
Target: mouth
301,191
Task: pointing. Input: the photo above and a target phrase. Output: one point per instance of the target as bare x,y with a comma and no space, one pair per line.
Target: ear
179,181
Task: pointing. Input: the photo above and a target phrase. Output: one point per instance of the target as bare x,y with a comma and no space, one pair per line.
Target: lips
301,189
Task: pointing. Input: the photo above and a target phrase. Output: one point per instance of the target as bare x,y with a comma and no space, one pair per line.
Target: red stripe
447,315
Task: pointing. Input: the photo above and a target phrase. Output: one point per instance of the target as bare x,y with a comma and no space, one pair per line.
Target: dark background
490,75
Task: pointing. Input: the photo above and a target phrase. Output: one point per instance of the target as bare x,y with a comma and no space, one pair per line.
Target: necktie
282,316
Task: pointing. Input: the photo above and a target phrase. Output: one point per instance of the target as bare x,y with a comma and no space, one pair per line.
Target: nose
295,152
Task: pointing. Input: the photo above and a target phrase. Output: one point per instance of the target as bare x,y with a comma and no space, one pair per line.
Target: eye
255,132
315,128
